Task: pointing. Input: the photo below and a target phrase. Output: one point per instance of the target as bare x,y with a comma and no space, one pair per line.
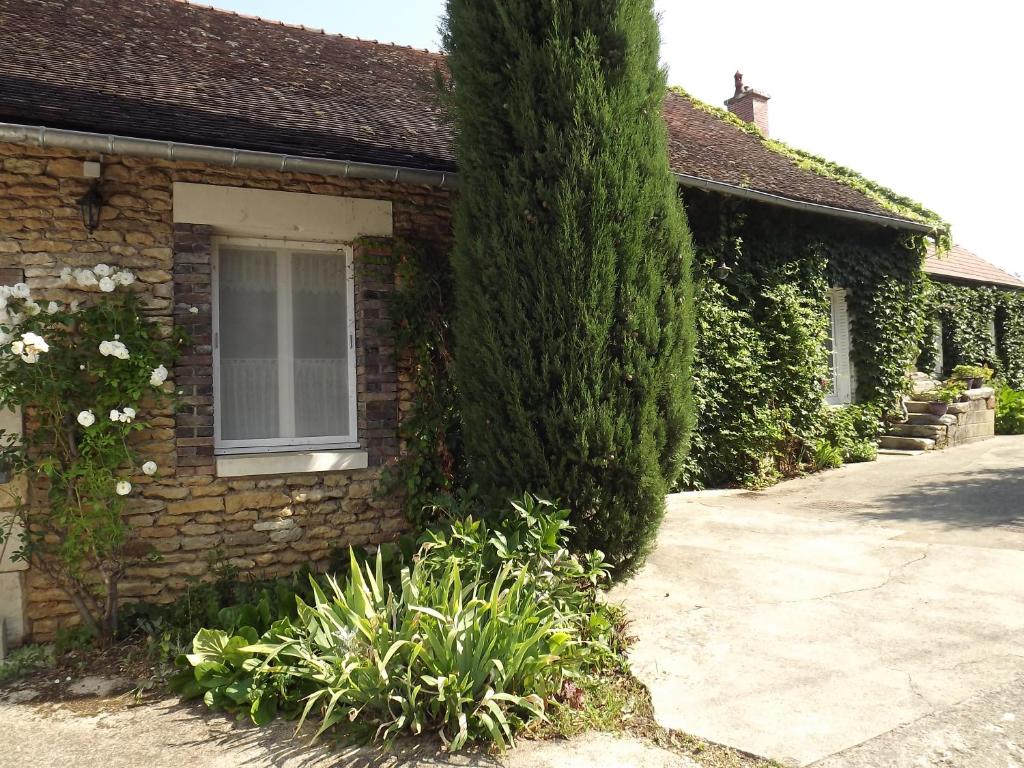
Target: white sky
921,96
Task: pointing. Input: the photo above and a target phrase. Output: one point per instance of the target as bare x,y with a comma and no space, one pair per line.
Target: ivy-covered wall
762,366
967,314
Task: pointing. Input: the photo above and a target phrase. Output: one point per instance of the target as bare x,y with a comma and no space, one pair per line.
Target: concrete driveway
869,616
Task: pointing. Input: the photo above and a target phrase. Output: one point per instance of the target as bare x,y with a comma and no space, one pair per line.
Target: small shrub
1009,411
852,431
472,639
25,660
827,456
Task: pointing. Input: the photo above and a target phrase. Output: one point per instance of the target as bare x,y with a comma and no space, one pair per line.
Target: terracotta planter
938,409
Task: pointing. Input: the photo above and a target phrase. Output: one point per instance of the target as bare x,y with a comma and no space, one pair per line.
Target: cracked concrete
822,614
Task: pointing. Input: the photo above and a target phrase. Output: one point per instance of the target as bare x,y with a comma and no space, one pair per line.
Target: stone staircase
965,422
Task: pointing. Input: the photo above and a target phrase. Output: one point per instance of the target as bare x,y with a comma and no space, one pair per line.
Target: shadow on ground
991,498
277,744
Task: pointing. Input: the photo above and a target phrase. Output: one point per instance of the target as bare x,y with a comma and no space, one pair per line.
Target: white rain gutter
41,136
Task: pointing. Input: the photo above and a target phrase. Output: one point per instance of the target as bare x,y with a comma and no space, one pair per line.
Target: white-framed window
838,345
284,367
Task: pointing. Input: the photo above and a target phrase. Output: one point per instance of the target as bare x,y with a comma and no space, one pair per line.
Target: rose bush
66,366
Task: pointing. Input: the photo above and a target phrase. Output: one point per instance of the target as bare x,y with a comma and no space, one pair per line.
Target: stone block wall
262,525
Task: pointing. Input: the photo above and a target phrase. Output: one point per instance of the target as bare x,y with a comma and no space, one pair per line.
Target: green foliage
968,314
85,373
473,640
431,462
949,392
852,431
573,301
26,660
826,456
1009,411
761,366
966,372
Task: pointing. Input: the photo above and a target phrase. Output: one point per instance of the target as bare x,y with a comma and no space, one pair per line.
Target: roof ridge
892,201
303,27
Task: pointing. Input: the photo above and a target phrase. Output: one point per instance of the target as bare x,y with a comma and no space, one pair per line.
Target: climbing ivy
762,366
431,460
967,314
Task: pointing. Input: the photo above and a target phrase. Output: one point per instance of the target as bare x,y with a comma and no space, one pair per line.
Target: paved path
857,607
167,734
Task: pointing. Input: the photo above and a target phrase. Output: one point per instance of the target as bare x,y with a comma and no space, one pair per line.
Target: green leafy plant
26,660
473,641
966,372
1009,411
84,375
950,392
826,456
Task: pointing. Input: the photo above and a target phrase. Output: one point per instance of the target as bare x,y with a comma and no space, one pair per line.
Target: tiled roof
169,70
962,265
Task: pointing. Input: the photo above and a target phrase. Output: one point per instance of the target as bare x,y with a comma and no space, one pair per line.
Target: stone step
934,431
895,443
927,418
920,406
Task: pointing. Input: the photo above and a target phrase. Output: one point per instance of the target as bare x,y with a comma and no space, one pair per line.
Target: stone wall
193,519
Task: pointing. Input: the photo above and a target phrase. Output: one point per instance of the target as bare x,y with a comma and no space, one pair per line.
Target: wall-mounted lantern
91,203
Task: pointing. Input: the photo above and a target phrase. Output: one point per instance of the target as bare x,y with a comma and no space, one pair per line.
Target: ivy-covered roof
173,71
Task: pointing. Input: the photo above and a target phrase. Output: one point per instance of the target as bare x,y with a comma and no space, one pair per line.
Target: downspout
110,144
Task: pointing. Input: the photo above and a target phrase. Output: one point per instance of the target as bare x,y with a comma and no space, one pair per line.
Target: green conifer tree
573,328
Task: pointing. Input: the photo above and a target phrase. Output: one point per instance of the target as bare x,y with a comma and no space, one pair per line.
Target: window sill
290,463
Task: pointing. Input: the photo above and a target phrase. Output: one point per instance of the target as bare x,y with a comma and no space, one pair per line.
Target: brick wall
192,518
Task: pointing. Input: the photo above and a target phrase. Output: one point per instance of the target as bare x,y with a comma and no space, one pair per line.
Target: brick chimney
749,105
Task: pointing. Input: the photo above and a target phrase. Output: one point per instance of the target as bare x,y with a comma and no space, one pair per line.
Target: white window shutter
842,375
940,363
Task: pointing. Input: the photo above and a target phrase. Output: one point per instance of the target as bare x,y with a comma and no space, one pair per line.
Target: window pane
319,296
247,306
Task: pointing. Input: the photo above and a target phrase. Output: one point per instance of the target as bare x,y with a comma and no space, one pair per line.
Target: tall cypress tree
573,328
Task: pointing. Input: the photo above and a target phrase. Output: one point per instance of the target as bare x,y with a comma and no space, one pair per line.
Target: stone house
257,178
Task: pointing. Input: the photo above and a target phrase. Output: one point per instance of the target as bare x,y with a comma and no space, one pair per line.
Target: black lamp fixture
91,203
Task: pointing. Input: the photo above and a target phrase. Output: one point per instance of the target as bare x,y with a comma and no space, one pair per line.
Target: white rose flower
193,310
102,270
18,347
115,415
149,468
20,291
52,308
31,308
65,275
106,348
86,418
127,414
120,351
158,376
123,488
124,277
107,285
85,278
35,341
30,357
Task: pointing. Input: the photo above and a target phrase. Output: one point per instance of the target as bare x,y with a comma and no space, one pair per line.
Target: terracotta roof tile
169,70
962,265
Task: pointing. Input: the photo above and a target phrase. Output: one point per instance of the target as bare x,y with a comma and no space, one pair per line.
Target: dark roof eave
43,136
801,205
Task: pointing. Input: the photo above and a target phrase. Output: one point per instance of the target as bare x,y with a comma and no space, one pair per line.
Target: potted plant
940,398
973,376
